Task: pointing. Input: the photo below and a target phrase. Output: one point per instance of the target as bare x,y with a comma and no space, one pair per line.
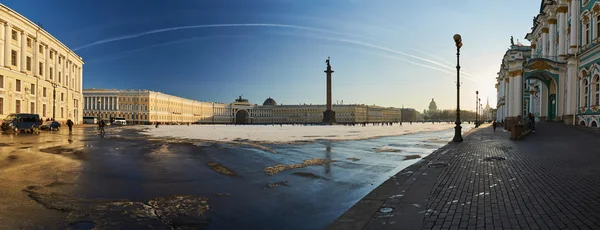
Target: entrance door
552,107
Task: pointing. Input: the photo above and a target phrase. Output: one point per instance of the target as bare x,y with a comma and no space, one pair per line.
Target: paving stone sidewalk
548,180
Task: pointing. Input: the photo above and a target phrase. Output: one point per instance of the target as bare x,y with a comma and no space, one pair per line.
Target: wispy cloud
130,36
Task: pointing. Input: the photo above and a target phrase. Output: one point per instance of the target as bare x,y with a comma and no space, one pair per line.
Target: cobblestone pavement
548,180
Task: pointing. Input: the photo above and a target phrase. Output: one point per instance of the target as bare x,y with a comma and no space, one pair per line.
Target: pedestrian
494,125
532,121
70,124
101,126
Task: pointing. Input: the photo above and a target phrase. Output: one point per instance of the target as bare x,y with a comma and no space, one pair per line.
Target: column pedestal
329,117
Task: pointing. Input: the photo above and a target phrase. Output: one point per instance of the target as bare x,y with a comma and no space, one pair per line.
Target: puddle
278,168
221,169
309,175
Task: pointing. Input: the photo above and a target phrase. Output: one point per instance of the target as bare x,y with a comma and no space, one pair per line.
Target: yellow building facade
145,107
38,74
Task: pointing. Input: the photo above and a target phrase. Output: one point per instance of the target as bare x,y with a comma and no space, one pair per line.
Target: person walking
532,121
494,125
70,124
156,126
101,125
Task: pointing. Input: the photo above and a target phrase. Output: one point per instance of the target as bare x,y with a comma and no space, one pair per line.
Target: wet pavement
128,180
548,180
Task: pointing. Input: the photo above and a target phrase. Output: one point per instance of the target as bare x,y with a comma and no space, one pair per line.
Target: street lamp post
476,109
54,85
457,128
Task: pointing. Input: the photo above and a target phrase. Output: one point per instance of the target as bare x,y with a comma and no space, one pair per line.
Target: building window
13,57
17,106
59,60
62,114
51,55
597,90
62,97
14,35
598,26
585,93
43,110
59,77
32,109
28,64
41,69
587,34
33,89
18,85
1,82
1,105
44,92
41,48
51,75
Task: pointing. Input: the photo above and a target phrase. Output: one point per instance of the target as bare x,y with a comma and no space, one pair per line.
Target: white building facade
38,74
145,107
558,77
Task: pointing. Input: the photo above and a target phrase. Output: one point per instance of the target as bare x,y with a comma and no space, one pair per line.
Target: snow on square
289,133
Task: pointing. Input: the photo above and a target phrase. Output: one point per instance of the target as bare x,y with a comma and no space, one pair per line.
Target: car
50,125
17,122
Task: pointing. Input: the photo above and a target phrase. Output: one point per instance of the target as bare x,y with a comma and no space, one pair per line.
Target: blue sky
384,52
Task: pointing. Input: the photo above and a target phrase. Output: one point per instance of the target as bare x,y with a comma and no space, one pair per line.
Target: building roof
269,101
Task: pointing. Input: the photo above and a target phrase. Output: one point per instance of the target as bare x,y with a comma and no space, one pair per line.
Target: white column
62,82
23,62
34,59
518,81
80,79
552,35
2,28
544,101
509,97
545,31
562,30
46,63
574,8
7,42
572,79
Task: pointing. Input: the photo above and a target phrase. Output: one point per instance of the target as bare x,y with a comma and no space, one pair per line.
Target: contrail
385,49
434,56
124,37
124,54
393,51
439,58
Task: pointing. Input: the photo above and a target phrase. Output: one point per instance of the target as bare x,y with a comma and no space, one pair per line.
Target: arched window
585,93
596,90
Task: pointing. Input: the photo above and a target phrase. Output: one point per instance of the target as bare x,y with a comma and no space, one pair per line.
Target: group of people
530,118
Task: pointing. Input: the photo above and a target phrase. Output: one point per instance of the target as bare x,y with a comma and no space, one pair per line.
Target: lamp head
458,40
477,92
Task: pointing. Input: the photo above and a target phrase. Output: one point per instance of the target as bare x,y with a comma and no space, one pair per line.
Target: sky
396,53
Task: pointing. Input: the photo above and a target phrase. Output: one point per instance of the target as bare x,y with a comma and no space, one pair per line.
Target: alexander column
329,114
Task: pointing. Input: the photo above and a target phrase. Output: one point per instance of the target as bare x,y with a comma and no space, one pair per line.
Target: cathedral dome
432,105
269,101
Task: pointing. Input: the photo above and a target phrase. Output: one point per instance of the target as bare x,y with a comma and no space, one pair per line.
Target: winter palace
557,78
144,106
38,74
